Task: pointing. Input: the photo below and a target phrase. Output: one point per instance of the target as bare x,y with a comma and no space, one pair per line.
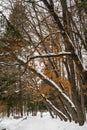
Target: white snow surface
39,123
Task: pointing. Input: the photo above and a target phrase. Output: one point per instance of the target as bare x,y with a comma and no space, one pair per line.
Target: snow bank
38,123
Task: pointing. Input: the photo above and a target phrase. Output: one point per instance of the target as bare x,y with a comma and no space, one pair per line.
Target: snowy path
38,123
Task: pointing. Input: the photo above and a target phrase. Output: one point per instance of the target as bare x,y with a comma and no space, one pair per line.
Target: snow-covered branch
51,55
50,104
8,64
52,83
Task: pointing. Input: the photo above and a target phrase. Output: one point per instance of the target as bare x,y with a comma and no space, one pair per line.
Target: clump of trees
43,48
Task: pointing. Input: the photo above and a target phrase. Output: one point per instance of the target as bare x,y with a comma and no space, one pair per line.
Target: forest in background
43,58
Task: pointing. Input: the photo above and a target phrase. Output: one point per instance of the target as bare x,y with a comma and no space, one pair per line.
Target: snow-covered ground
38,123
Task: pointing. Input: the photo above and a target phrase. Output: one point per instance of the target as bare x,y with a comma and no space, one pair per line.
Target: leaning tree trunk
66,101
